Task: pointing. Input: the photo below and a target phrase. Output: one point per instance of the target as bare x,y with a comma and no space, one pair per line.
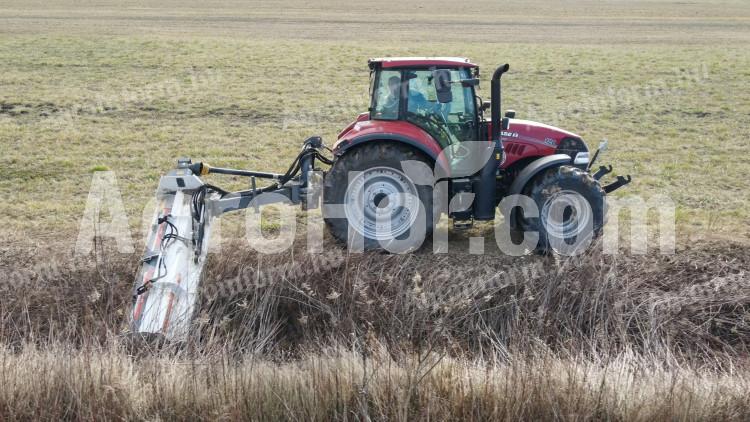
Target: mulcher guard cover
167,285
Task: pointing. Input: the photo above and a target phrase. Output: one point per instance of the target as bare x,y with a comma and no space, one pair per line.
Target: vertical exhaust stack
484,208
495,103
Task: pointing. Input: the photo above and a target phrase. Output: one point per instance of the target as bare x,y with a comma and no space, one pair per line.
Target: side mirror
510,114
442,80
485,106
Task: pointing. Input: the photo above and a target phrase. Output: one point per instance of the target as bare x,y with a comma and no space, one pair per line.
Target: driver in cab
417,102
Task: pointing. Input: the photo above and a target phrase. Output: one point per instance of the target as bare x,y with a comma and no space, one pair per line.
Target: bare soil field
94,86
538,21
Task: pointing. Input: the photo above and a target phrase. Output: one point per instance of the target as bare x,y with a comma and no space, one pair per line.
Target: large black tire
570,228
380,164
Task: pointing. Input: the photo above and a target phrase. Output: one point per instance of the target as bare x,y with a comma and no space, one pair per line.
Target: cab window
387,95
448,122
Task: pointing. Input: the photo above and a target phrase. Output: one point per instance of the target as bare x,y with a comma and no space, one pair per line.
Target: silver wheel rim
563,224
381,203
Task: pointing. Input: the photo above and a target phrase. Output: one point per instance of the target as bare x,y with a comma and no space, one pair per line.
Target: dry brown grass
336,336
60,383
688,306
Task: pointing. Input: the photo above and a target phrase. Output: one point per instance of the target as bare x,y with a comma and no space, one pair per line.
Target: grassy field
130,89
88,86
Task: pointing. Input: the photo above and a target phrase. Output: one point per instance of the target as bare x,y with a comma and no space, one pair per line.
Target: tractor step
463,224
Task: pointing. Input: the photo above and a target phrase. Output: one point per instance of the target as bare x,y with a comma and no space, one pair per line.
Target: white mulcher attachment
167,286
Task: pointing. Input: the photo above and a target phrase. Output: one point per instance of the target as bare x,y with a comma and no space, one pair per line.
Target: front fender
536,167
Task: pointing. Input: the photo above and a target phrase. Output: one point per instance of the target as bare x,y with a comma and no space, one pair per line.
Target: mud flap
167,286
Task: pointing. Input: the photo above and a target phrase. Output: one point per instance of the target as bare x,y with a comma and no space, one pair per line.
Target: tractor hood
535,131
525,139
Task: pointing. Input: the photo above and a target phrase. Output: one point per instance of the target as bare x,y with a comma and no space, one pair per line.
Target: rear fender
429,150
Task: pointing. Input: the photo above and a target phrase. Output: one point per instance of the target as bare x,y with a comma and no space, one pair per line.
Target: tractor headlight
581,158
576,149
571,146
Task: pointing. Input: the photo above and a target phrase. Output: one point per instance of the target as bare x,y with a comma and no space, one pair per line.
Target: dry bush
689,306
49,295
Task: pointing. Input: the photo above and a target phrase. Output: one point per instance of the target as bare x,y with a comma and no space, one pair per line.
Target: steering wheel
433,122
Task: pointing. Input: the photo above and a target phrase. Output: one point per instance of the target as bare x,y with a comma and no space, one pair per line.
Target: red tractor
427,109
424,148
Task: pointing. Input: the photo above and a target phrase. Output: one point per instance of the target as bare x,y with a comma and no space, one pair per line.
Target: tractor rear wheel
379,205
571,208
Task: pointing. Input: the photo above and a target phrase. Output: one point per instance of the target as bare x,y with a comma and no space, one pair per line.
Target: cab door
440,103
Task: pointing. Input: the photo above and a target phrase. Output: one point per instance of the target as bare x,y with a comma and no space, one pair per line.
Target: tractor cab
435,94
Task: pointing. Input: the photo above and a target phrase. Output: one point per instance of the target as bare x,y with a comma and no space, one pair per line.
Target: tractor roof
391,62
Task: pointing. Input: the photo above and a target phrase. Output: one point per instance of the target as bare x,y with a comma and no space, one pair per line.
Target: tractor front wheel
571,209
372,203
